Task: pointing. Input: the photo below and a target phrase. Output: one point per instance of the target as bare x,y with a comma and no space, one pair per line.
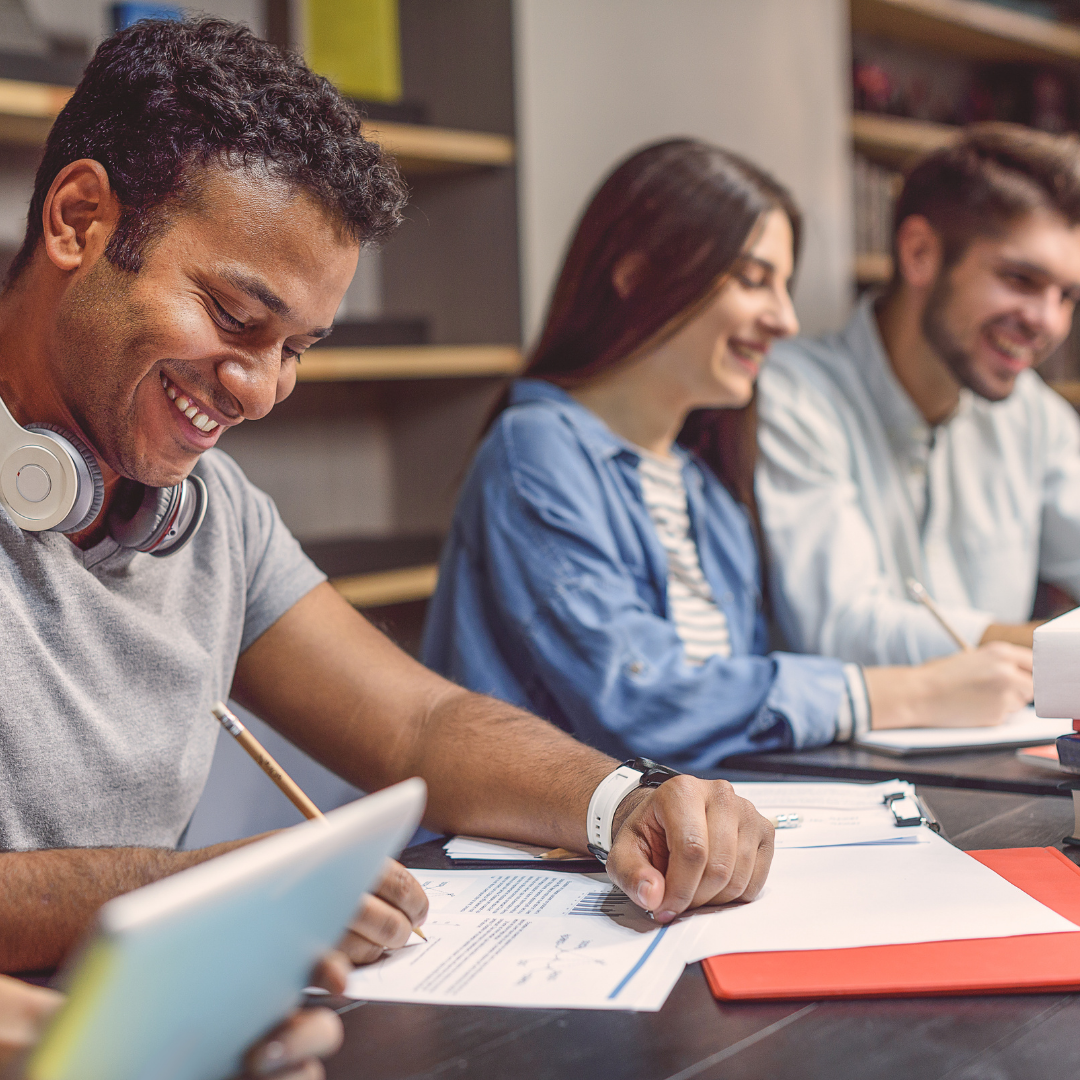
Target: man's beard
936,330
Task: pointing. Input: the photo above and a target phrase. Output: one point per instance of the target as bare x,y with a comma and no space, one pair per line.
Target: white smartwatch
610,792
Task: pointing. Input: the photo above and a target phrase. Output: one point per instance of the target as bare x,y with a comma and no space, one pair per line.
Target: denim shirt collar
592,431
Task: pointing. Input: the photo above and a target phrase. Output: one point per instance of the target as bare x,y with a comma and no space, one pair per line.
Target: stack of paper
477,849
846,877
834,815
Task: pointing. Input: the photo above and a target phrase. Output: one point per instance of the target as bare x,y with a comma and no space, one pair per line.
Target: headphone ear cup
91,493
166,519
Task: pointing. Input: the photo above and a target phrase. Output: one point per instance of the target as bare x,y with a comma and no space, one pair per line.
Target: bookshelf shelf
388,586
328,364
968,28
27,110
422,149
872,268
895,140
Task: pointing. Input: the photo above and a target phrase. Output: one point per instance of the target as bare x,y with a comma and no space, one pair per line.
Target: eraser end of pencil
219,710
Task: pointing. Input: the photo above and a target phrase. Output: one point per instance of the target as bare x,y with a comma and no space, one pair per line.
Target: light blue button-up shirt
857,493
552,596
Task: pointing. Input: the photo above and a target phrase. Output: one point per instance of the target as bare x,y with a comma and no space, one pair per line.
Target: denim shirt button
635,667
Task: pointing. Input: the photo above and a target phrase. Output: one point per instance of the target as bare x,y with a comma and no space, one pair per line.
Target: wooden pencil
263,758
918,592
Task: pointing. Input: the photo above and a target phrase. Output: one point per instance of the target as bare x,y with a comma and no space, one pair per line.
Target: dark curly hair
162,98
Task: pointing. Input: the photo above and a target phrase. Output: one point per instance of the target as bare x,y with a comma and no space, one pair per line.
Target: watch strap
609,794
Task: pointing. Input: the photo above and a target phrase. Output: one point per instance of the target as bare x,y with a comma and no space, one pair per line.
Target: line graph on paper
567,956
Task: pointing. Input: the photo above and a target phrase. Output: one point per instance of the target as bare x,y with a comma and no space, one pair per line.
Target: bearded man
918,441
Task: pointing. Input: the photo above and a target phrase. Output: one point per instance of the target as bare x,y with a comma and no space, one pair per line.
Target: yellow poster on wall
356,45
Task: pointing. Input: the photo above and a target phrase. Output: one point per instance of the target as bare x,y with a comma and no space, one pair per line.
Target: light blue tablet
181,976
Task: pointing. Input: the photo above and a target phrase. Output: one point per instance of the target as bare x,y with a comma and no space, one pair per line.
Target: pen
918,592
262,757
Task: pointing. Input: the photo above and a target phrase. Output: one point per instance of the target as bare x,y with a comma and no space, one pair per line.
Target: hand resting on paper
387,918
971,689
290,1052
686,843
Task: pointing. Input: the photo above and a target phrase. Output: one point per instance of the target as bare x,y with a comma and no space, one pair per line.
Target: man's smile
200,424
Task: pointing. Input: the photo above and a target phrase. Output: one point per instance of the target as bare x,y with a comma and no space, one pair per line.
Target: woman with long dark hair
602,569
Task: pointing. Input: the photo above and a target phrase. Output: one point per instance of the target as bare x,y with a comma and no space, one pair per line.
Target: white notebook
1022,728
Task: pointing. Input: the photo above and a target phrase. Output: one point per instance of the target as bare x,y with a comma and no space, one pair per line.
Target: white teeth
198,419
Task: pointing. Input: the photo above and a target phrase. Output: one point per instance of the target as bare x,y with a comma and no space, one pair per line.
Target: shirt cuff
853,715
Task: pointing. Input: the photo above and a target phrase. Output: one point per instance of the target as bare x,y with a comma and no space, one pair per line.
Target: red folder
1031,964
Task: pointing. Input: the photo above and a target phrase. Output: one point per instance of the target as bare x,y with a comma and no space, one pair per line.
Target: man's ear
919,253
80,213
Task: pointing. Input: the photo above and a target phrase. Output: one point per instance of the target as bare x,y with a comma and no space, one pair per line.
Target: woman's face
717,355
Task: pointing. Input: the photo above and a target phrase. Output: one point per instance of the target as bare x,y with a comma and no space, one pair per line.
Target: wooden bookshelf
895,140
968,28
872,269
28,109
327,364
422,149
388,586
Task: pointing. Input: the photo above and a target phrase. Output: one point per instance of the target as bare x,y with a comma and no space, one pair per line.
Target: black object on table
980,770
1029,1037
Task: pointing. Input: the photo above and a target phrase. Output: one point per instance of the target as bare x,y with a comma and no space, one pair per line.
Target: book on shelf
876,189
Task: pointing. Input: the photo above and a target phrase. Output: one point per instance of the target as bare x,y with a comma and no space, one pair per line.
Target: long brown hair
683,211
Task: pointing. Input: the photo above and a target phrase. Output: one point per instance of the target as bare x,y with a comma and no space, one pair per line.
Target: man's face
1007,304
214,321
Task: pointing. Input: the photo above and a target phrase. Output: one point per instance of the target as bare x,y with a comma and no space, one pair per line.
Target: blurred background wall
769,78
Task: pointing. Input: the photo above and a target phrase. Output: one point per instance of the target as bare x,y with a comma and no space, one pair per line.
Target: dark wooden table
988,770
1028,1037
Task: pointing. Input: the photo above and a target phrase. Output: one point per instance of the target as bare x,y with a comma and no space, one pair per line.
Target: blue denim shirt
552,596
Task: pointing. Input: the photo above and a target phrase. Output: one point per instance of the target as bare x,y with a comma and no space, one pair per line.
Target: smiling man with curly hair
196,220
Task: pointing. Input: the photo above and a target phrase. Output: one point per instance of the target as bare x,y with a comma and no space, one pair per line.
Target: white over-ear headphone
50,480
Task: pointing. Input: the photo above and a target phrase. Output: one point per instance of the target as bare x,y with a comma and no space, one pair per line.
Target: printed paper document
535,938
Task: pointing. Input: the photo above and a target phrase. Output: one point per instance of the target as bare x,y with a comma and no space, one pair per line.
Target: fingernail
665,916
643,894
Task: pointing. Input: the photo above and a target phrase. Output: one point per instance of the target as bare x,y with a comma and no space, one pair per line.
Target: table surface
1028,1036
983,770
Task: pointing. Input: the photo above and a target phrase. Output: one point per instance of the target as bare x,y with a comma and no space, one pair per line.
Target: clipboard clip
908,810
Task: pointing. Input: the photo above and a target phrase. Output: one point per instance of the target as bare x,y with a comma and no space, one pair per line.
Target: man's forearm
49,898
493,770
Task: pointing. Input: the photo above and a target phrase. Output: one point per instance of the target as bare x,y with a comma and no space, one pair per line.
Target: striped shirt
698,620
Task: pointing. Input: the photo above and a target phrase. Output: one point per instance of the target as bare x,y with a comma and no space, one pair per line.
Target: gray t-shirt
111,659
